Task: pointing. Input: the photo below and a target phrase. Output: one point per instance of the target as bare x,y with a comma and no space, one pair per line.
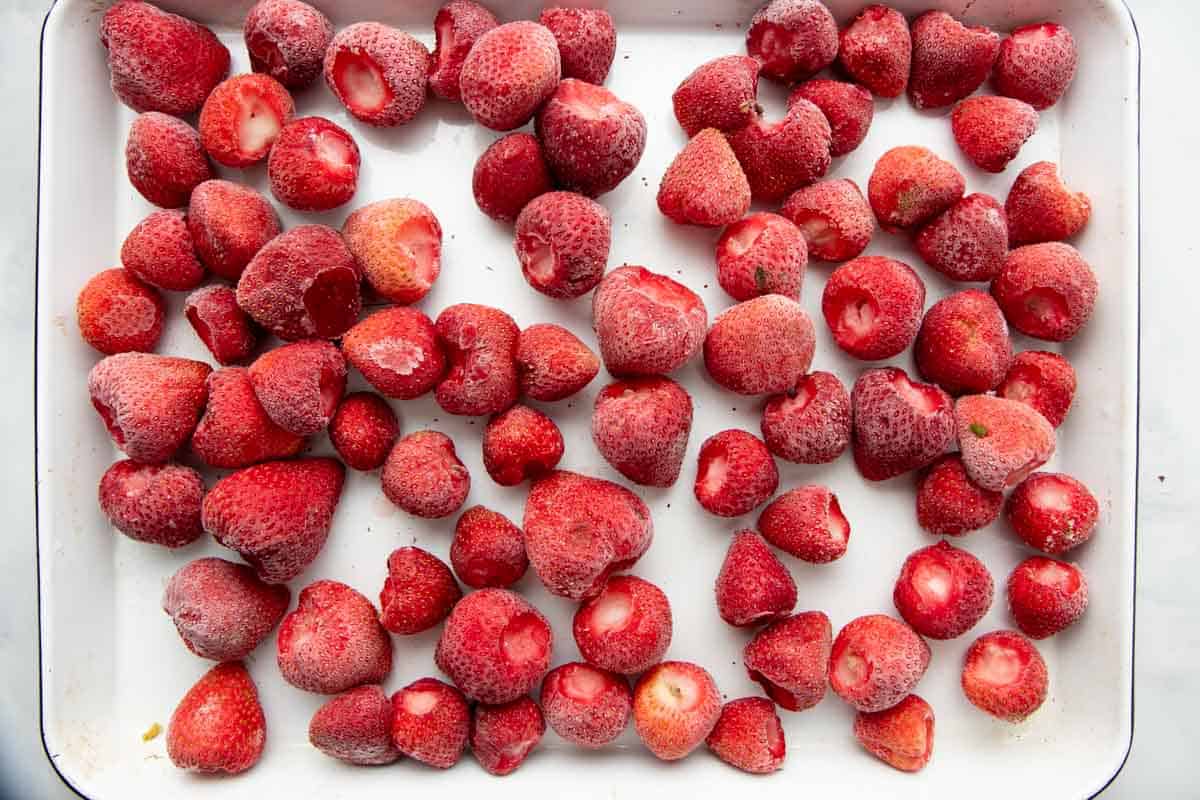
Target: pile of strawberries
979,422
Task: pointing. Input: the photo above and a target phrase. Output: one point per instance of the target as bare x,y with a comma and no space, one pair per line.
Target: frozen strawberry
762,254
875,49
302,284
792,39
876,660
900,736
488,550
242,118
117,313
949,503
1004,675
808,523
705,185
809,423
221,610
235,430
969,241
424,476
398,247
587,41
753,587
287,40
275,515
397,351
160,61
430,722
229,224
313,165
942,591
520,444
495,646
1002,441
1044,381
963,344
150,404
562,241
676,704
848,107
502,736
780,157
481,348
552,363
356,727
790,659
834,217
457,25
585,705
221,324
646,323
899,425
218,726
910,186
990,130
1041,208
363,430
748,736
720,94
736,473
378,73
626,628
872,306
164,159
761,346
509,72
510,173
154,503
1046,596
579,530
159,251
949,60
300,385
418,593
1052,512
641,427
1046,290
332,641
1036,64
592,140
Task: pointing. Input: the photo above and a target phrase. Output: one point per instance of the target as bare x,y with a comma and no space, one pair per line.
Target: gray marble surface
1167,724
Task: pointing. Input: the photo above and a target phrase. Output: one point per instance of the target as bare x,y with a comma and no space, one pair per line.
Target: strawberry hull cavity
834,217
585,705
1046,291
762,254
872,306
242,118
809,423
457,25
676,704
502,736
1052,512
942,591
808,523
378,73
876,661
480,343
313,165
431,722
397,245
228,333
1044,381
1046,596
562,241
735,473
792,39
626,628
1004,675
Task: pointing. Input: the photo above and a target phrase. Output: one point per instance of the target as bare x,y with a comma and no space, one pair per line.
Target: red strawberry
495,646
221,324
872,306
1036,64
876,660
676,704
458,24
900,736
488,550
1001,440
762,254
287,40
150,404
332,641
355,727
300,385
591,138
229,224
949,60
899,425
761,346
397,351
235,430
848,107
276,515
950,504
942,591
552,363
579,530
159,252
219,725
911,185
705,185
164,159
509,174
792,39
562,241
780,157
509,72
808,523
753,587
242,118
809,423
834,217
626,628
160,61
117,313
363,430
221,610
424,476
641,427
154,503
991,130
398,247
1043,381
430,722
1046,596
790,659
503,736
968,242
584,705
313,165
720,94
1004,675
1052,512
481,349
735,474
748,736
963,343
646,323
520,444
587,41
378,73
1046,290
1041,208
418,593
875,49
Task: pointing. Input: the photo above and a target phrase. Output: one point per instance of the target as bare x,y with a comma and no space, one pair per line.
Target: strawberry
761,346
510,173
458,24
1046,290
705,185
809,423
748,736
963,344
676,704
242,118
872,306
226,331
949,60
592,140
587,41
646,323
626,628
164,159
790,659
991,130
834,217
154,503
875,49
1036,64
1041,208
502,736
899,425
849,108
762,254
1044,381
876,660
117,313
780,157
398,247
900,736
488,549
481,349
300,385
1004,675
418,593
792,39
520,444
949,503
332,641
378,73
552,363
753,587
562,241
287,40
219,725
363,430
584,705
397,351
509,72
355,727
313,165
159,251
910,186
807,523
229,224
641,427
1046,596
735,473
424,476
430,722
968,242
1002,441
1052,512
942,591
720,94
235,430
